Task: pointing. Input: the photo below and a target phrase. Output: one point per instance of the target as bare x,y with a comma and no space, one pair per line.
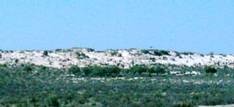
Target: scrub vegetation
157,85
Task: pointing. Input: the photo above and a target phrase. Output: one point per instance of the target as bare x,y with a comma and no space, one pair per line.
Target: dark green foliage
145,51
53,101
155,52
159,70
114,53
161,52
90,49
97,71
3,65
210,69
107,71
16,61
138,69
49,87
45,53
86,70
58,50
114,70
27,68
187,53
153,59
75,70
81,55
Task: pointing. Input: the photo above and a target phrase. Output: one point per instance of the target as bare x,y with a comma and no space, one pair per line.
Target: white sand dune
231,105
123,58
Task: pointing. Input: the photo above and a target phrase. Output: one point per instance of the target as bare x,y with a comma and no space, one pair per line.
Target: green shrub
86,70
210,69
52,101
16,61
110,71
145,51
138,69
27,68
160,70
45,53
75,70
98,71
3,65
155,52
81,55
156,70
113,71
187,53
161,52
46,88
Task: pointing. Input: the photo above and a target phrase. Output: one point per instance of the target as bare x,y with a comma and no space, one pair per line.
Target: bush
145,51
155,52
81,55
161,52
210,70
46,88
98,71
45,53
158,70
187,53
101,71
52,101
113,70
75,70
3,65
139,69
27,68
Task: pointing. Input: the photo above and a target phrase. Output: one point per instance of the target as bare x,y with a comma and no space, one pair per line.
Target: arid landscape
116,53
124,58
83,77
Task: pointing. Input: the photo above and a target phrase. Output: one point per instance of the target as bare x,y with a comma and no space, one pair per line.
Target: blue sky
183,25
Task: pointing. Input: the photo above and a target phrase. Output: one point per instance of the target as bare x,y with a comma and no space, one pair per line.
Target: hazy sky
183,25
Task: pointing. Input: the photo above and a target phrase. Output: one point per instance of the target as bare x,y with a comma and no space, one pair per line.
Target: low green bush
138,69
114,71
81,55
159,70
155,52
45,53
210,69
51,87
75,70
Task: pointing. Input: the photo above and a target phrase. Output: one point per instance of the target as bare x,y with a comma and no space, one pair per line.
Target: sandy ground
123,58
231,105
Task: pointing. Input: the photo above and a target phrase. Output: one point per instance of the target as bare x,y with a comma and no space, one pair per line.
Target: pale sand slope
231,105
122,57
